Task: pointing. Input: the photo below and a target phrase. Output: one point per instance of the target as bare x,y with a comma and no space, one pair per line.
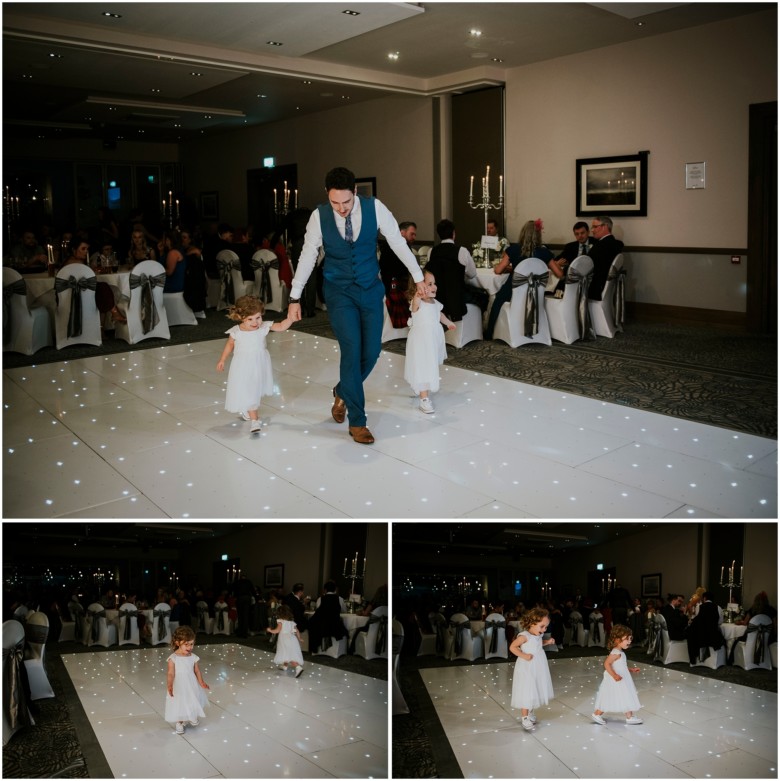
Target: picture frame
274,576
366,186
615,186
209,206
651,585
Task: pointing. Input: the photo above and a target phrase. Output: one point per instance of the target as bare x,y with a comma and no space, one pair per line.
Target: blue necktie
583,249
348,229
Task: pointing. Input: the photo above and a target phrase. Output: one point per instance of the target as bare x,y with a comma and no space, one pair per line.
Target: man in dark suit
676,620
604,250
703,631
395,276
580,246
326,621
294,600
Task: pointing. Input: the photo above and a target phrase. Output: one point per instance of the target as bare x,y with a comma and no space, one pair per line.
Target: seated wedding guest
603,251
213,245
195,280
139,250
172,257
474,611
703,631
294,600
556,628
676,620
30,255
455,273
378,600
101,261
529,245
395,276
326,621
326,589
558,265
760,607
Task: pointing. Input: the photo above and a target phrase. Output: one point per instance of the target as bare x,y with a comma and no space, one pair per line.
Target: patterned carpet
705,375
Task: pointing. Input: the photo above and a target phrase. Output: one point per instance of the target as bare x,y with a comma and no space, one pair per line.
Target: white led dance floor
260,723
694,727
145,435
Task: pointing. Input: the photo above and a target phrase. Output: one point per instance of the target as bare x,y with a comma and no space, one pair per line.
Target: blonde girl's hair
530,238
617,633
182,634
284,613
411,290
246,306
533,616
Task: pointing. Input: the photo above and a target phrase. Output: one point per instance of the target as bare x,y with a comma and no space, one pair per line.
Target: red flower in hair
538,224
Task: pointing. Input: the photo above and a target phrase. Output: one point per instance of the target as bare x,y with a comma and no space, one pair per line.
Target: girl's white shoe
426,405
634,720
532,716
527,723
179,727
598,719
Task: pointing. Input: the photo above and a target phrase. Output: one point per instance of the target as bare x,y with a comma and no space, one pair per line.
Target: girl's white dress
288,648
425,348
250,376
189,698
531,683
618,696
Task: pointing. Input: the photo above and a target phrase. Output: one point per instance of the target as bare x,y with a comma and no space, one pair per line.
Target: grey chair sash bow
127,615
380,646
575,626
651,636
457,644
14,697
96,615
534,282
147,283
618,276
78,616
440,627
266,294
161,629
226,276
35,633
76,286
657,649
219,614
17,288
596,627
583,313
494,626
762,632
203,614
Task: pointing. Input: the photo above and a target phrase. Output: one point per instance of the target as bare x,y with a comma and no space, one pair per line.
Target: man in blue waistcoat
346,228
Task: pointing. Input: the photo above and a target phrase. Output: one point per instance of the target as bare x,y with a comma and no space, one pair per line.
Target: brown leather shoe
361,435
339,408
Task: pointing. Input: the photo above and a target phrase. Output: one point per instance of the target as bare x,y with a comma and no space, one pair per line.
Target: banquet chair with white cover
519,317
97,630
20,614
67,631
77,614
222,624
443,634
372,644
269,288
399,703
146,314
161,625
329,646
654,643
422,254
709,657
469,329
569,317
754,653
465,644
25,330
427,640
128,625
16,713
389,331
674,650
608,315
596,631
579,635
203,621
773,654
177,310
77,320
36,632
495,637
233,285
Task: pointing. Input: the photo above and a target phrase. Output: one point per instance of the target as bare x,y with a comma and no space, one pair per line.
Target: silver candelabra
485,203
351,571
729,580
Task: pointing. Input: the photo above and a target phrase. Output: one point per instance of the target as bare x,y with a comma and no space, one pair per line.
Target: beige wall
760,562
388,138
683,96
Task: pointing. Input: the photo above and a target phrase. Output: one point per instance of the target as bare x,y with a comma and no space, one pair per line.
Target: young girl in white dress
425,348
617,691
186,696
531,683
288,642
250,376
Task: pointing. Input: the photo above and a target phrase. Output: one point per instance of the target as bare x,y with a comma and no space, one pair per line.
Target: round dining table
731,633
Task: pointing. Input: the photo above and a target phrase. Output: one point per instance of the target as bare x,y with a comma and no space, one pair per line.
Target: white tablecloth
731,633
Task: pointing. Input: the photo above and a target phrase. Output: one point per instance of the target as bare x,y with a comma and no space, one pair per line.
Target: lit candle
296,198
740,573
487,179
721,574
163,205
501,186
177,208
345,564
364,565
471,188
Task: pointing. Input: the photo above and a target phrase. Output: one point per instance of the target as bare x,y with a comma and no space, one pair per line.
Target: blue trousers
356,316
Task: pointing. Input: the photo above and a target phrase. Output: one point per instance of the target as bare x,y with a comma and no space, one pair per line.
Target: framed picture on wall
612,186
274,576
651,585
209,206
366,186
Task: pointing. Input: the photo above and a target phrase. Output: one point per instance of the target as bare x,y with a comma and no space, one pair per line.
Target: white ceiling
170,71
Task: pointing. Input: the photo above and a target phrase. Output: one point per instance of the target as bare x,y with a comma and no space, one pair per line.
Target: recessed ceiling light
112,15
497,59
640,24
476,33
305,81
207,116
351,13
393,55
55,55
274,43
155,89
195,73
262,96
